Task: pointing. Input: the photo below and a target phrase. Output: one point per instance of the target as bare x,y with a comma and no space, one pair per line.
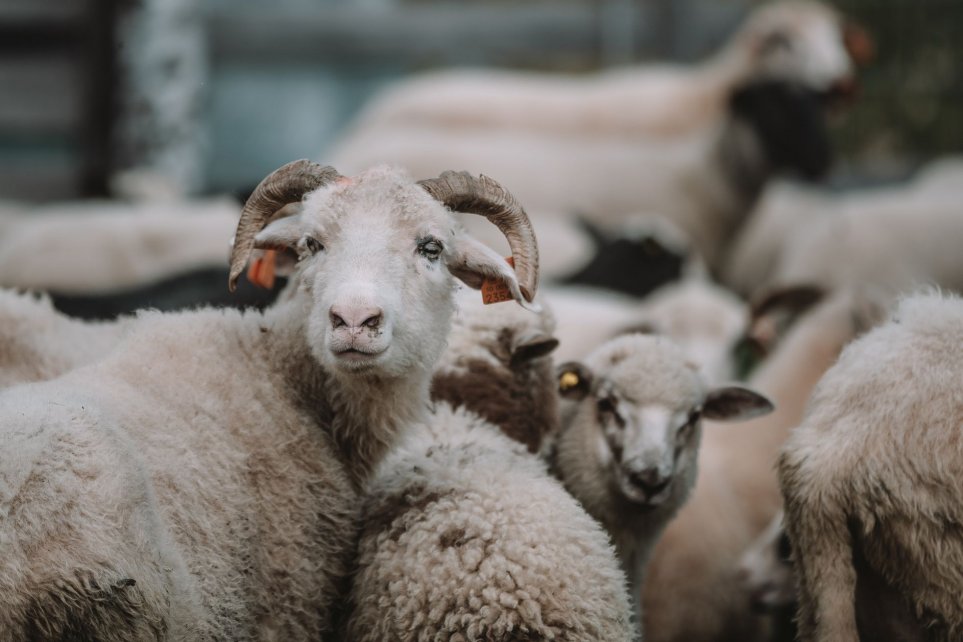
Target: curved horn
462,192
284,185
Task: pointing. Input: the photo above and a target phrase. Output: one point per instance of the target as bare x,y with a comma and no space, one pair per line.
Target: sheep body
703,184
207,472
123,245
648,100
38,343
465,534
689,585
628,446
869,479
705,320
467,537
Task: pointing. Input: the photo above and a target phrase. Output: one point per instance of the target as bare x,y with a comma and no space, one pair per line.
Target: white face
810,50
376,257
379,288
646,448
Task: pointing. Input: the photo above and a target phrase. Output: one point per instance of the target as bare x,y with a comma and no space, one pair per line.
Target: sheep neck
363,414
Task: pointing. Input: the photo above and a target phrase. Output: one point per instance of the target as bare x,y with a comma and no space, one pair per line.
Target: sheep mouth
645,498
357,355
767,599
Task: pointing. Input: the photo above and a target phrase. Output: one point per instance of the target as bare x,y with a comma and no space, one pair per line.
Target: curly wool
449,552
871,482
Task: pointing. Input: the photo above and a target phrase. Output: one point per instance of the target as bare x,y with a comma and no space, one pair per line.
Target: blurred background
213,94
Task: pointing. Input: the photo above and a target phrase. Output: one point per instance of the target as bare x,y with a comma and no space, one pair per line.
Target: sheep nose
354,317
651,480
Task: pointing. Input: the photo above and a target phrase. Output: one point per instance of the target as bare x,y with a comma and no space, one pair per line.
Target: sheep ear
772,312
282,234
475,263
574,380
735,403
532,346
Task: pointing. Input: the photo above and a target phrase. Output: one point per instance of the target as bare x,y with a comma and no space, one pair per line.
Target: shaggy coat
871,483
38,343
689,594
203,480
465,535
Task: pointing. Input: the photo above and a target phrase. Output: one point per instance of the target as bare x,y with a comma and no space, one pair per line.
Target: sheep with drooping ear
202,481
630,438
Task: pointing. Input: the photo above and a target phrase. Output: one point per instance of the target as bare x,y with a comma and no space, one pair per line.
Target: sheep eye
311,245
686,430
430,249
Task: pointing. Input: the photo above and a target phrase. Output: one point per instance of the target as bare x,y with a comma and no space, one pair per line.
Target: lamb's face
646,448
641,402
375,259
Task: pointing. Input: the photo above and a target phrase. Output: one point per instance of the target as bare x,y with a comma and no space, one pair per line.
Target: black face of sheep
635,266
790,122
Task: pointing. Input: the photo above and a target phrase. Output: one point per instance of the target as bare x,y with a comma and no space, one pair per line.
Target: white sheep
705,320
629,443
871,483
465,534
704,185
38,343
805,42
890,235
691,592
101,246
202,481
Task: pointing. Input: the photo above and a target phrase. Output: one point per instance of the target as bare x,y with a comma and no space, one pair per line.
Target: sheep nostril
373,321
336,321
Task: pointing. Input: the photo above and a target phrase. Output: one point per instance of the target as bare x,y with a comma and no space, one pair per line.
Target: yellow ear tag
495,290
261,272
567,381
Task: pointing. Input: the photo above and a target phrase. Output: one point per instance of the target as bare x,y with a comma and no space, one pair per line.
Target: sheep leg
822,545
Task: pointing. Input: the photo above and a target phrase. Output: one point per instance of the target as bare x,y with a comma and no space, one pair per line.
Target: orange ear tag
261,272
495,290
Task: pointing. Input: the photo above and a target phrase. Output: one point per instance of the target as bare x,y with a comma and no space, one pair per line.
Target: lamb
628,446
805,42
704,185
466,536
273,421
871,483
690,592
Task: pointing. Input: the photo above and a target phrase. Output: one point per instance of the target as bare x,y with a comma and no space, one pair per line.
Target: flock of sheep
364,450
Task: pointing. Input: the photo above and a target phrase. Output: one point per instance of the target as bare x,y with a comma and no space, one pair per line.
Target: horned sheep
805,42
202,480
629,441
690,592
871,483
